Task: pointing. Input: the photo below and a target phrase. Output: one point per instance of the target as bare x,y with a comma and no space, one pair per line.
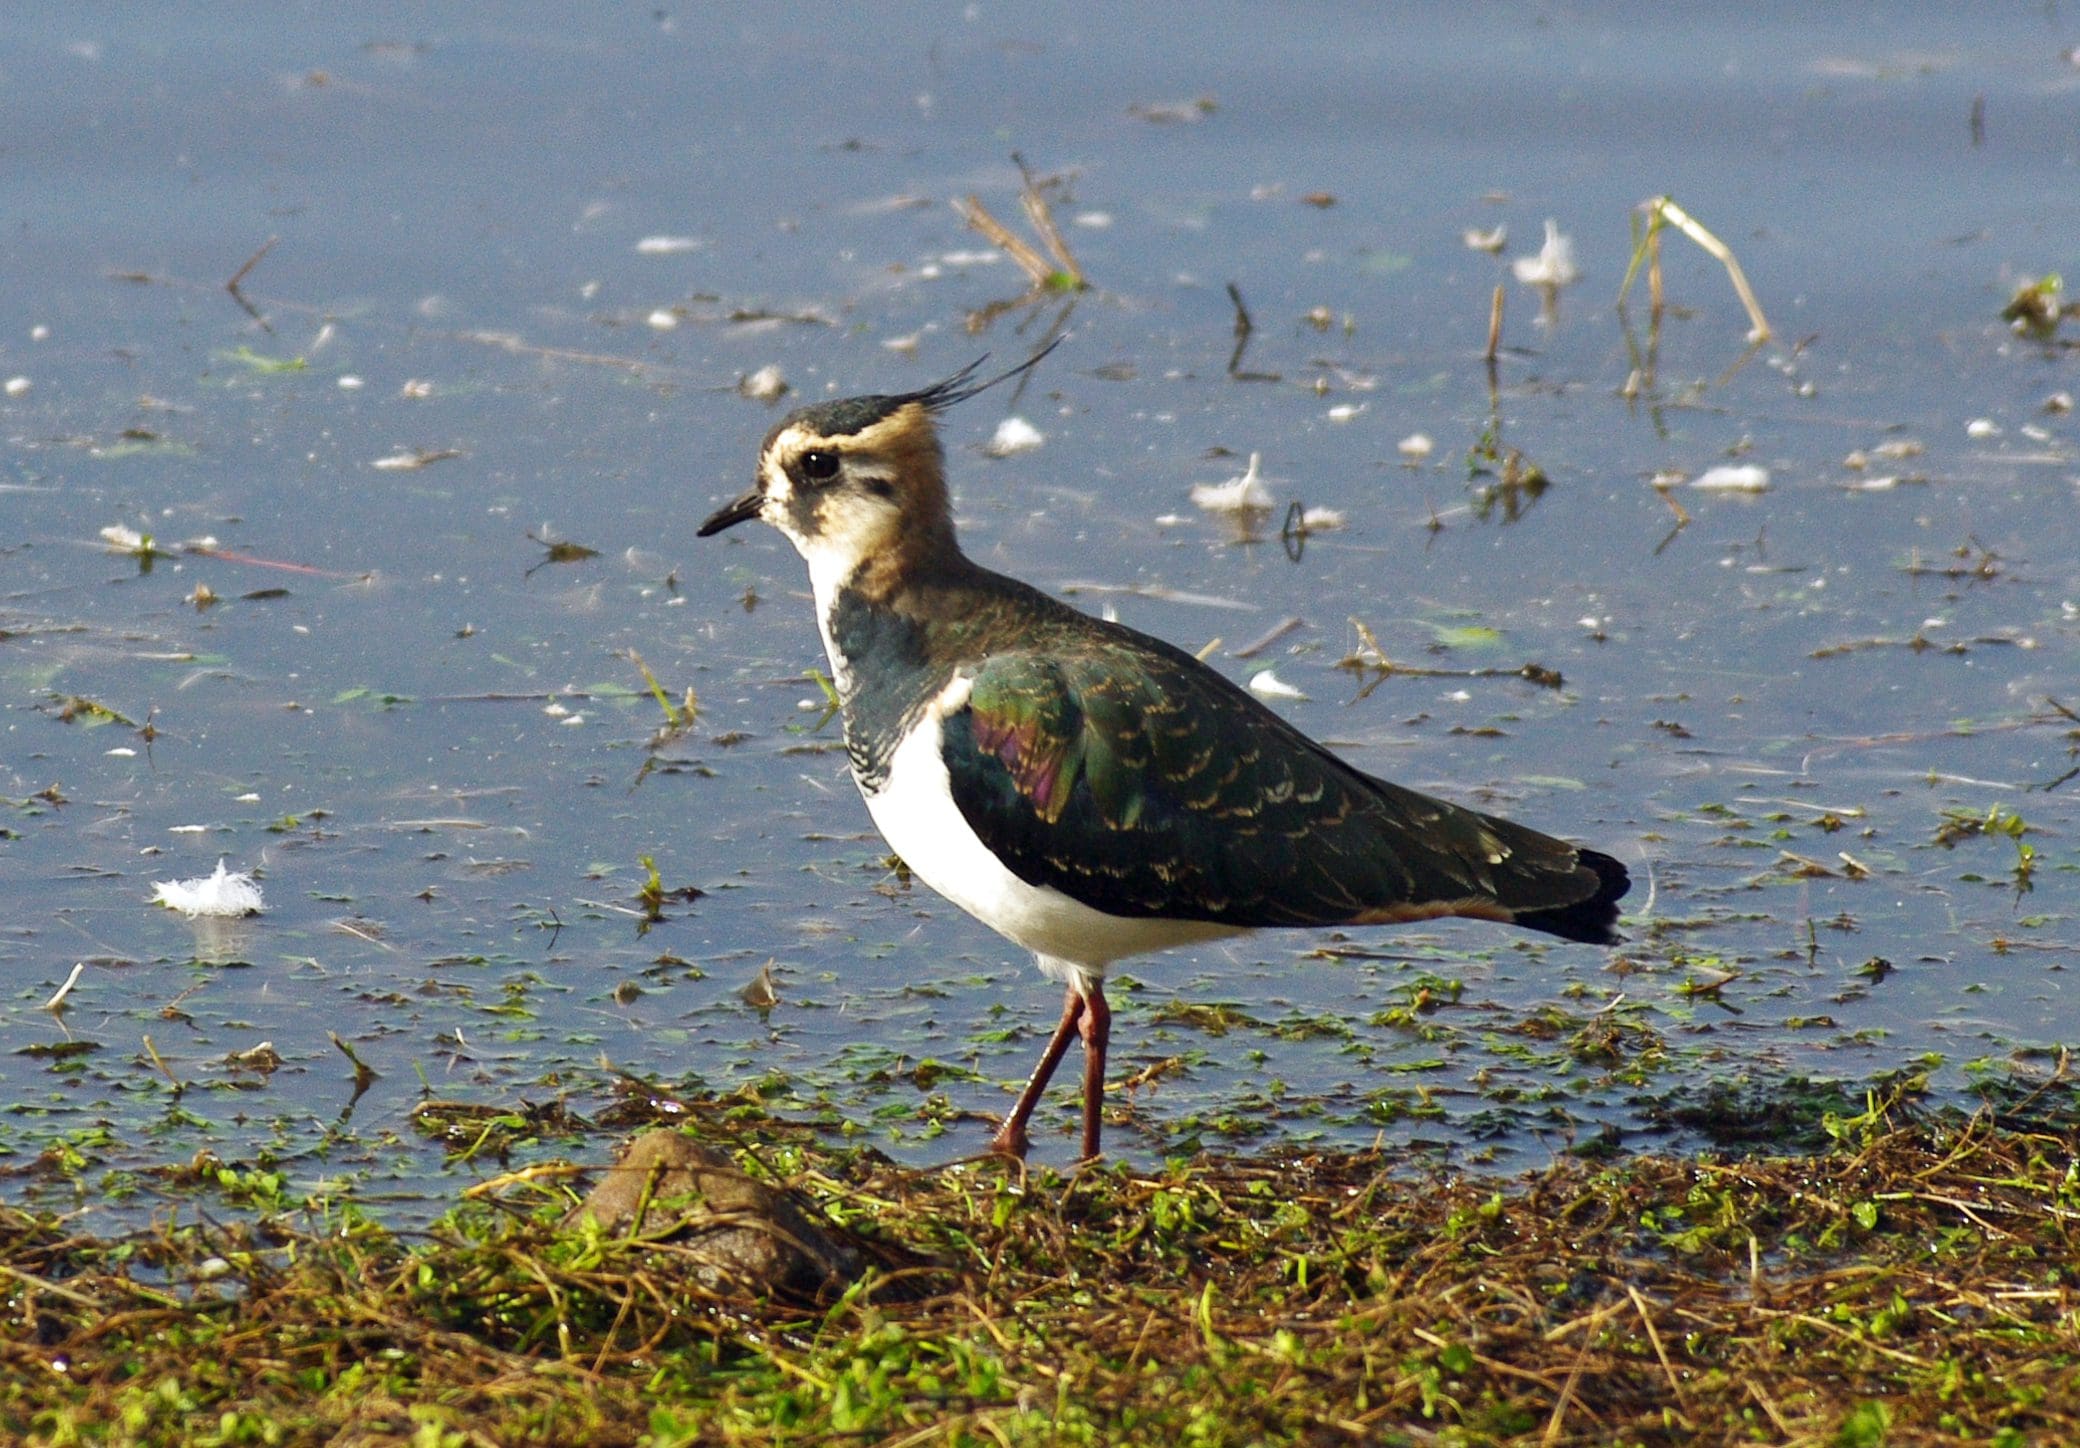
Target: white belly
917,816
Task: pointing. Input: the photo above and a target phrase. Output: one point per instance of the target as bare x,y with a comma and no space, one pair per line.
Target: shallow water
517,274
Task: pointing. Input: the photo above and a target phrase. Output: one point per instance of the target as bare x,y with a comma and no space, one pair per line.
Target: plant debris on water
1912,1284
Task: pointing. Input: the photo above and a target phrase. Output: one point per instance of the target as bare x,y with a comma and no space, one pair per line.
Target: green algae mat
1913,1284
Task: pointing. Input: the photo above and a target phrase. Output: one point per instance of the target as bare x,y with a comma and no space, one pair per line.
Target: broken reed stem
164,1070
1494,327
1041,215
56,1004
1682,514
252,261
674,714
235,286
1243,325
1663,211
978,218
1062,274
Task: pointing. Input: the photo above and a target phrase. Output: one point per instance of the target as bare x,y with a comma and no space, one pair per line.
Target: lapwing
1088,791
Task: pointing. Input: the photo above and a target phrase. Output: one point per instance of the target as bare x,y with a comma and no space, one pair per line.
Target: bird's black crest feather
944,394
850,415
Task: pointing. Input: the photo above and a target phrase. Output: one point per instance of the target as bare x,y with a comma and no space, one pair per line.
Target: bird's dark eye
819,465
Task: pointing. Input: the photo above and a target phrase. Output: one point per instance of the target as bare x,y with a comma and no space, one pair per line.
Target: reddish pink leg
1011,1139
1097,1032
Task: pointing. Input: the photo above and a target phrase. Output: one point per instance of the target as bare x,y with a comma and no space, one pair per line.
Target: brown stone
738,1235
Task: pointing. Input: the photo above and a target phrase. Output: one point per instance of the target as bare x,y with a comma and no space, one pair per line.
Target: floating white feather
1554,265
1246,494
1745,478
1267,685
1014,435
226,893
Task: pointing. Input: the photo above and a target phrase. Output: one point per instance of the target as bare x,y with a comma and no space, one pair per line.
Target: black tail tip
1592,920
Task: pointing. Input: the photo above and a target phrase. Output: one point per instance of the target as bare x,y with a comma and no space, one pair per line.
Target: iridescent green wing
1131,777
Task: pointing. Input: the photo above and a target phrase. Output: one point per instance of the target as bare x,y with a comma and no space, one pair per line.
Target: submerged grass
1915,1285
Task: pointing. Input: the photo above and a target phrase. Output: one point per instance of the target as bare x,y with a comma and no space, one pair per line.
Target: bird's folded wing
1146,785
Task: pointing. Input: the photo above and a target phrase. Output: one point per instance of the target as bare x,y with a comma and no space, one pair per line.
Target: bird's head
860,479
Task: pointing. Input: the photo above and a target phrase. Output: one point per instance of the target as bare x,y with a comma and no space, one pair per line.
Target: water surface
517,270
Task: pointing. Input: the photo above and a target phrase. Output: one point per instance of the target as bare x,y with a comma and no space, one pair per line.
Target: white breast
917,816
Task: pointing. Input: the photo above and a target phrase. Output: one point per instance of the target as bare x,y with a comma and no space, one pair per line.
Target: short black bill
743,510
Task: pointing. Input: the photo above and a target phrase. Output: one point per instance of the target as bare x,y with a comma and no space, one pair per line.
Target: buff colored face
833,496
847,489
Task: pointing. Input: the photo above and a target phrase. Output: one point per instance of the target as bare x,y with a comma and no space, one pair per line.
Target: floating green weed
259,362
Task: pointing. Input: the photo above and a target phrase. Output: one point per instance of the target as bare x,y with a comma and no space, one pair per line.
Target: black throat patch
892,678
